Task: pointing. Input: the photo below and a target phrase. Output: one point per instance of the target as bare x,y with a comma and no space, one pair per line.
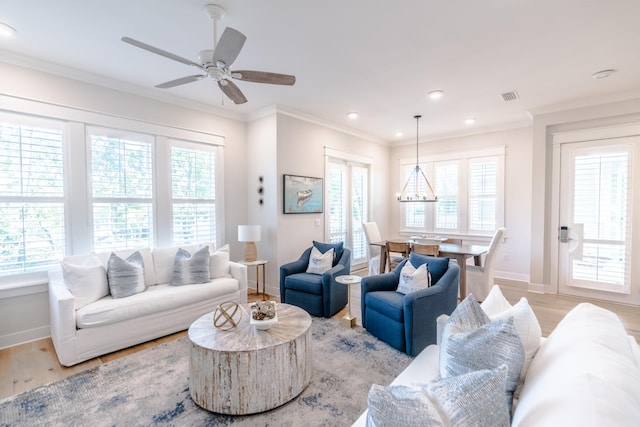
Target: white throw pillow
87,281
163,260
219,262
524,319
320,262
413,279
191,269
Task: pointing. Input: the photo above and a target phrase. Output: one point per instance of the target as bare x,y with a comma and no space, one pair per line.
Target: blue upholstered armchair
408,322
319,294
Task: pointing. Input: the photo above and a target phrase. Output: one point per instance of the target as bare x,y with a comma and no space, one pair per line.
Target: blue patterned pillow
471,341
126,276
189,269
472,399
437,266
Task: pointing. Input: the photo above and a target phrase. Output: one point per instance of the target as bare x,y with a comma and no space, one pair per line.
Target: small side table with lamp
249,234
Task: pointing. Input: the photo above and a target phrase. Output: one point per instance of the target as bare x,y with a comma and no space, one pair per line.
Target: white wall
518,145
24,313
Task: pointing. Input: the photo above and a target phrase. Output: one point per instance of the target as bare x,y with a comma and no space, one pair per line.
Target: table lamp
249,234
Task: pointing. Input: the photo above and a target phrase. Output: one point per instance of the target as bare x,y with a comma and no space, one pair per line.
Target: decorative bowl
263,325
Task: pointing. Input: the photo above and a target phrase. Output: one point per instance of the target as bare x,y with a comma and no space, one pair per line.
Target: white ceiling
377,58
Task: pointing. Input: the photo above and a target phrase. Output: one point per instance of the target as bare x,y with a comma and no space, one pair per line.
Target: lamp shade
248,233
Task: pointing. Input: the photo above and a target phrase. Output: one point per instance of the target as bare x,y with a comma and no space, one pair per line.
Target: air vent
509,96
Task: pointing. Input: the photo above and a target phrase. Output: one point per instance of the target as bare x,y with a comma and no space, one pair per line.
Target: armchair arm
423,307
298,266
62,316
334,295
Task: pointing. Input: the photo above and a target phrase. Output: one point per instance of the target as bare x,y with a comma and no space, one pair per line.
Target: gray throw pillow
126,276
473,399
471,342
189,269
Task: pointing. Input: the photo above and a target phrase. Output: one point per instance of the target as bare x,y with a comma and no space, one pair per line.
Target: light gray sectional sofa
585,373
86,321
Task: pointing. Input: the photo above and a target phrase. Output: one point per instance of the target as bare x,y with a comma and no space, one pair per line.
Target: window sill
16,286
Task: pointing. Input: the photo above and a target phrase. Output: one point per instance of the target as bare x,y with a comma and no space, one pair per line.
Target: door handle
564,234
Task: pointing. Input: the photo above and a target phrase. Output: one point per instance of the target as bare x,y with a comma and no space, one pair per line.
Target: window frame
428,163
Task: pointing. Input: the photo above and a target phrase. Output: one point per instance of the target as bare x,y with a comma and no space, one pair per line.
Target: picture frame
302,194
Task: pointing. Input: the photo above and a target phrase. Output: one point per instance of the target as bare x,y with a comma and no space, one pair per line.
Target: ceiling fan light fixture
417,176
436,94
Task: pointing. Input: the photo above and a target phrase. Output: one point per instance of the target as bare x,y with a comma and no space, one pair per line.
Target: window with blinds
122,188
483,194
193,192
446,185
414,213
32,215
337,203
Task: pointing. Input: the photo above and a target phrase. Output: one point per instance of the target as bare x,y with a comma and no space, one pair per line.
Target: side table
257,264
348,320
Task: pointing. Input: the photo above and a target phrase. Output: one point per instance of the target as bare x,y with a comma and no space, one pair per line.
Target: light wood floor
30,365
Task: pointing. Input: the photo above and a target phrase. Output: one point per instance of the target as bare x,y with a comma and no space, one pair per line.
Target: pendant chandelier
417,176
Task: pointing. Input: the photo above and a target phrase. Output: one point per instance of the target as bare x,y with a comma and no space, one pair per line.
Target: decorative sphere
227,316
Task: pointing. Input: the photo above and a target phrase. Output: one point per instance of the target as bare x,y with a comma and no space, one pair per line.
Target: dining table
459,252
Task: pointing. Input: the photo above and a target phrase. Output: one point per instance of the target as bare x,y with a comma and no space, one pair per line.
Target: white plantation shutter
414,213
337,203
446,184
601,205
360,215
122,187
193,190
32,217
483,193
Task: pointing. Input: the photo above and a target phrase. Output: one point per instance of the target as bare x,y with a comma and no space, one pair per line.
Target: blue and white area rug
151,388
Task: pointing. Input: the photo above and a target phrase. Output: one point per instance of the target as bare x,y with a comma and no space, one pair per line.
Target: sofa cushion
338,249
497,307
472,399
155,300
87,281
164,258
413,279
126,276
584,374
472,342
437,266
320,262
191,269
149,270
219,262
391,304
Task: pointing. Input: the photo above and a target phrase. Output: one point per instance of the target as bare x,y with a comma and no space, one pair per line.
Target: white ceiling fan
215,63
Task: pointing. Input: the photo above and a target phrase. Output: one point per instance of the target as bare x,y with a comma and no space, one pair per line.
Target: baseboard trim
24,337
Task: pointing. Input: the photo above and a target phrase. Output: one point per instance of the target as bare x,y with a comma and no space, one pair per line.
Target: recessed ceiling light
352,115
399,134
7,30
602,74
436,94
469,120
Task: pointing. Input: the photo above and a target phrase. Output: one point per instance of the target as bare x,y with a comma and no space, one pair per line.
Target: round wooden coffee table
245,370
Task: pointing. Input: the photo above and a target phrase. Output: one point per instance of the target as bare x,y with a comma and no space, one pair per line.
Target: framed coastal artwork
302,194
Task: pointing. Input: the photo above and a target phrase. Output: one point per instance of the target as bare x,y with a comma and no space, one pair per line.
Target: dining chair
480,279
372,234
432,250
403,248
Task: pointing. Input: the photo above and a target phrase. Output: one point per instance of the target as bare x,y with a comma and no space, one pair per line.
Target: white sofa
93,328
586,373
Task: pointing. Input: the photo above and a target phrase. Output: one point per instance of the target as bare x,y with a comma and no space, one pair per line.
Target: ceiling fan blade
228,46
161,52
264,77
181,81
232,91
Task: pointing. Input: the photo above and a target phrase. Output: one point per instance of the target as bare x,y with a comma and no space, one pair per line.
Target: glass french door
596,217
348,187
